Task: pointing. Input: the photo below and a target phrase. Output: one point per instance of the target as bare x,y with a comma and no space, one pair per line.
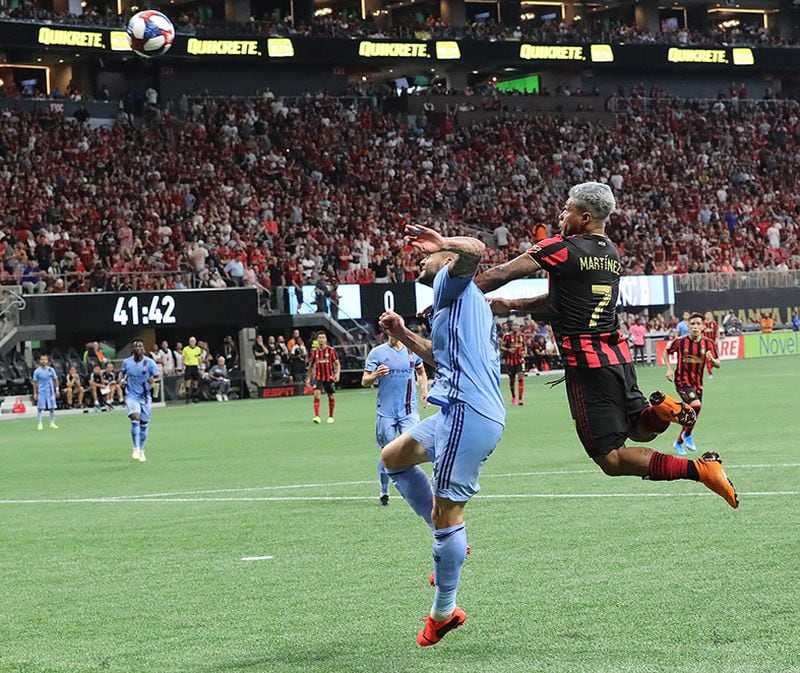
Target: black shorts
689,394
325,386
605,403
191,373
513,370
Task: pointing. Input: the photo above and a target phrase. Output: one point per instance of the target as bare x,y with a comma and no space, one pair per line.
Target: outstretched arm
469,250
520,267
394,325
502,307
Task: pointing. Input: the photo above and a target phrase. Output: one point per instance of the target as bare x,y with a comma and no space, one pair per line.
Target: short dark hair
322,332
135,341
696,315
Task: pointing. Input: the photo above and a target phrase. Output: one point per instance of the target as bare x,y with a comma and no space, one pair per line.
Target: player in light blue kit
139,373
458,440
45,391
393,366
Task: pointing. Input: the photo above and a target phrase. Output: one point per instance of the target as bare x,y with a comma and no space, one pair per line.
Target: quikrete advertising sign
197,47
736,56
91,39
469,53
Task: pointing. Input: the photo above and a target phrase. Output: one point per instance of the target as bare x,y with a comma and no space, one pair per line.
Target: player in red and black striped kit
604,398
512,347
694,352
324,366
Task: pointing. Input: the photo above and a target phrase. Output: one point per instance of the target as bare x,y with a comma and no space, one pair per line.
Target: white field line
335,498
501,475
187,496
257,558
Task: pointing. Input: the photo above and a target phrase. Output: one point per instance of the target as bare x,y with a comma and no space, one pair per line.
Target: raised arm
394,324
469,250
520,267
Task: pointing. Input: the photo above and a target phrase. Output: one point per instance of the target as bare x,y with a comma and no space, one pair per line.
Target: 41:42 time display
160,310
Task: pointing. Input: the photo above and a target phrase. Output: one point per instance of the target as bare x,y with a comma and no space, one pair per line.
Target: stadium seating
311,186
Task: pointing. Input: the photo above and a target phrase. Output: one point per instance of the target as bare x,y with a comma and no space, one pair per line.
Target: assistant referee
191,375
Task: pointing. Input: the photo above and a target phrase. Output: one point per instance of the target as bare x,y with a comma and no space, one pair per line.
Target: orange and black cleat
671,410
433,631
709,469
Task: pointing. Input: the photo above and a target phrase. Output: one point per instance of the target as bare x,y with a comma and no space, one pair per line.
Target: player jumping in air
604,398
459,439
694,352
139,373
324,366
45,391
512,346
393,366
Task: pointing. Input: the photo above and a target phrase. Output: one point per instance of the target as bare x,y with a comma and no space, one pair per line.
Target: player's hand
381,371
424,400
392,323
336,378
423,238
670,376
58,393
709,355
426,313
500,306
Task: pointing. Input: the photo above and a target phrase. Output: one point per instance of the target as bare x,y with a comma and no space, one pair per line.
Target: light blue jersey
465,347
137,375
46,392
397,396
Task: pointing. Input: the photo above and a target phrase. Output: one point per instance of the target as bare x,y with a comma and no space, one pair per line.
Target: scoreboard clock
105,312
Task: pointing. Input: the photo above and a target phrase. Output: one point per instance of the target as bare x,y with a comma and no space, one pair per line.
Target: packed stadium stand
269,192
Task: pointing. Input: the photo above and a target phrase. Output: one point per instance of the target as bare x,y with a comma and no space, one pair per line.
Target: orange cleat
432,580
671,410
433,631
709,469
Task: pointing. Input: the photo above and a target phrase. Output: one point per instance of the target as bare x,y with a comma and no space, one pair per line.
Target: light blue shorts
137,407
45,402
386,429
458,441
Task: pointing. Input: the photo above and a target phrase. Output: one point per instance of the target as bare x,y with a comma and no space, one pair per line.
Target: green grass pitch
117,566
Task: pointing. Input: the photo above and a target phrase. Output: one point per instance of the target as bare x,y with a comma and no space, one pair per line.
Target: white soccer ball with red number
150,33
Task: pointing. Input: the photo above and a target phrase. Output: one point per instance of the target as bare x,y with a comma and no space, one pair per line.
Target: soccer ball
150,33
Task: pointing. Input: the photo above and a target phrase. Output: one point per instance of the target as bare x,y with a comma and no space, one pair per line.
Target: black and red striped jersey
584,276
711,329
691,360
322,360
513,344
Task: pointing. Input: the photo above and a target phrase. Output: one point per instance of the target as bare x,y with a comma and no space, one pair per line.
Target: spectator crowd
270,193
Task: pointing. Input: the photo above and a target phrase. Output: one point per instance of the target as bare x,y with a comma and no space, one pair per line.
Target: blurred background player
512,347
464,349
694,352
606,404
325,367
140,374
711,331
45,391
393,366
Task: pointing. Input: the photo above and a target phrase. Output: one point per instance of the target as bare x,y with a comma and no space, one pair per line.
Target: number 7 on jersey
605,292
